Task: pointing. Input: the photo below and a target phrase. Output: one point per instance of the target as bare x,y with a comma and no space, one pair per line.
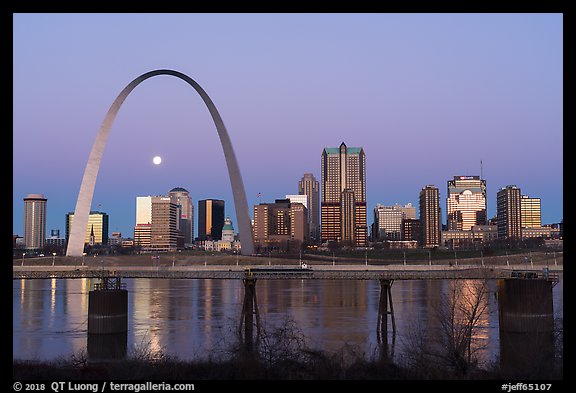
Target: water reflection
49,317
199,318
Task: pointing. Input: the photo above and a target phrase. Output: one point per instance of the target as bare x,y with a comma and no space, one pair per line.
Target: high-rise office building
531,213
156,223
508,212
343,207
348,216
430,217
278,223
210,219
299,226
185,213
34,221
144,210
97,225
388,220
303,199
143,228
411,229
408,211
310,187
143,235
163,233
465,203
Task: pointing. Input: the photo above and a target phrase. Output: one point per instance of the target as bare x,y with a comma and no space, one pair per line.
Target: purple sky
428,96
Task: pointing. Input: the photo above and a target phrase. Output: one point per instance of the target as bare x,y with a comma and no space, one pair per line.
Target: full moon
157,160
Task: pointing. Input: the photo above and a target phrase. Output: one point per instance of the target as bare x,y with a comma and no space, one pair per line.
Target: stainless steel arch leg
84,201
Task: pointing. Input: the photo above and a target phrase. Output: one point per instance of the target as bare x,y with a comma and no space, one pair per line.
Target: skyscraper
156,218
34,221
388,220
310,187
343,207
508,212
97,224
430,218
531,213
303,199
408,211
210,219
348,216
163,233
278,223
143,228
185,213
465,203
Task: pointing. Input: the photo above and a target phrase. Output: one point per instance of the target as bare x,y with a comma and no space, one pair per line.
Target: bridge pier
526,319
382,321
249,311
107,320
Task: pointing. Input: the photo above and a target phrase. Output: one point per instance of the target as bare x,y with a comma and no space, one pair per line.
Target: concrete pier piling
107,320
108,308
385,309
249,311
526,318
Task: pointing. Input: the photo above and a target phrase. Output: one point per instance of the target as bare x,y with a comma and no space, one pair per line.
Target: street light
53,258
555,263
23,258
83,255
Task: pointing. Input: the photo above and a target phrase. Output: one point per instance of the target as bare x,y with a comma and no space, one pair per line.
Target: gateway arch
84,202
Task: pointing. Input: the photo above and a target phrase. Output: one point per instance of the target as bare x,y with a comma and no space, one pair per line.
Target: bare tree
418,354
459,316
282,343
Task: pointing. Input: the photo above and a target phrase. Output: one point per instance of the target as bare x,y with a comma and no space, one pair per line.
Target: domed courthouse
227,243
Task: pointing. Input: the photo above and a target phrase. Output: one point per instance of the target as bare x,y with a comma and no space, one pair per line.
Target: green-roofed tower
228,231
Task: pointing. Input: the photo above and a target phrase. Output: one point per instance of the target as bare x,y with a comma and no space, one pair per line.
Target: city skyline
531,209
428,97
